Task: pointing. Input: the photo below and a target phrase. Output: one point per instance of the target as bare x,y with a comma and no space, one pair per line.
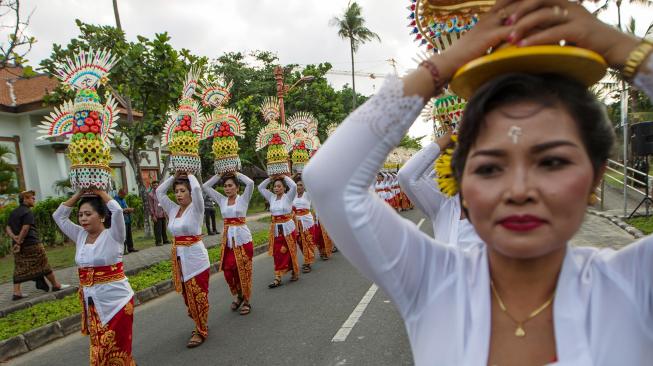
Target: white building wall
41,167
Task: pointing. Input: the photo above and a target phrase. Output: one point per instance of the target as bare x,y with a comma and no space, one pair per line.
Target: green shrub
5,242
134,201
48,230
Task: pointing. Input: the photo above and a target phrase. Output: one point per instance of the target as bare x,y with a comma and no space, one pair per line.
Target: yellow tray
580,64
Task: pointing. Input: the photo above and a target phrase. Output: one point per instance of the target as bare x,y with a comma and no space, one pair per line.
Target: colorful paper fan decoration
331,129
89,122
445,110
304,127
182,129
223,125
438,24
276,137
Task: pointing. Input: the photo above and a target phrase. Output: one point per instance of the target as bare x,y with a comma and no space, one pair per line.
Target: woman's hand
540,22
102,194
445,140
70,202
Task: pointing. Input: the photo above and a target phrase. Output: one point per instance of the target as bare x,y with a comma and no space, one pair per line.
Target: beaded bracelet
636,58
435,74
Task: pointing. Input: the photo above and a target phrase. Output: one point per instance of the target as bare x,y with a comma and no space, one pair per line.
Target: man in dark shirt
30,260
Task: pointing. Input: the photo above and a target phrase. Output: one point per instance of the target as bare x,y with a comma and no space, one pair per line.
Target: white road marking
419,224
348,325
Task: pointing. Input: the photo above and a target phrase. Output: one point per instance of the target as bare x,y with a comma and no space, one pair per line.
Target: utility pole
283,89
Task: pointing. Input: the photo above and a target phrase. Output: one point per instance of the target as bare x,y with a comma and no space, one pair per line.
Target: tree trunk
353,80
135,161
116,14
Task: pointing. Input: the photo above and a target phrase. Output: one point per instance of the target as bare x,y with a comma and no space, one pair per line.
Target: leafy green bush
5,242
134,201
47,228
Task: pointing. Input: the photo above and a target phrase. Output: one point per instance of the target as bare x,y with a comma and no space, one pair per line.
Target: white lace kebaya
603,309
238,234
417,180
108,298
281,206
194,258
304,202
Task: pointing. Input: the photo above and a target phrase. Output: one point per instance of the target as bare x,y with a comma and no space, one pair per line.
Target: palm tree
352,26
116,14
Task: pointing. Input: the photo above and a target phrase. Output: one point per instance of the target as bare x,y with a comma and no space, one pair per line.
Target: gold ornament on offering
182,129
223,125
275,137
305,139
87,121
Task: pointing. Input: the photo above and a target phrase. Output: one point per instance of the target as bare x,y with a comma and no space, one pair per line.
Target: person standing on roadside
158,216
30,259
127,214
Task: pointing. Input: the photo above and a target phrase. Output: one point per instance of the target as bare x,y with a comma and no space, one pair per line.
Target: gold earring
464,203
102,220
593,198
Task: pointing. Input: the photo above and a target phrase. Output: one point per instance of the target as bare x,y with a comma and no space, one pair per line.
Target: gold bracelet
636,58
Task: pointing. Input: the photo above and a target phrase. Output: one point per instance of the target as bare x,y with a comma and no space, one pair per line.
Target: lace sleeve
386,248
415,180
644,78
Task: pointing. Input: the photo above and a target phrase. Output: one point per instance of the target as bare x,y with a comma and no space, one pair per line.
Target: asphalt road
290,325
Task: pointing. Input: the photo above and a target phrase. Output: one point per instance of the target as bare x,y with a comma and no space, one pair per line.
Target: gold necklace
520,332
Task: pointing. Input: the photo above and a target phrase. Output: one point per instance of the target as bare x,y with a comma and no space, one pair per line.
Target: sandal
246,309
236,304
193,341
306,268
276,283
294,277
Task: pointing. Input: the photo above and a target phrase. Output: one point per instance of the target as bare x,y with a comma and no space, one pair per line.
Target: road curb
30,340
633,231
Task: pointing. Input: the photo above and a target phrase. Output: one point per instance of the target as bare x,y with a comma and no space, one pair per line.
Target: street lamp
283,89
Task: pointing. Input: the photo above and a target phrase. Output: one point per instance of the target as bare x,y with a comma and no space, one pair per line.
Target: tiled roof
16,90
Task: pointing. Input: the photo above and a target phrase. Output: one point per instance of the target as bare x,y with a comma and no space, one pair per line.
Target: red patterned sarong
196,297
283,248
306,238
111,344
323,241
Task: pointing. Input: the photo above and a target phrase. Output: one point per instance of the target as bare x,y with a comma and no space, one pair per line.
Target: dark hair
297,178
98,206
181,181
283,182
230,177
590,116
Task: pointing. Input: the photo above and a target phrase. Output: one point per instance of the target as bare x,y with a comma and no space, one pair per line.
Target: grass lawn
47,312
644,224
63,256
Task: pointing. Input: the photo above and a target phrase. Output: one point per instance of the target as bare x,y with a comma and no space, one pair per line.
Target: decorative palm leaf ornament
182,129
438,24
275,137
305,140
89,123
223,125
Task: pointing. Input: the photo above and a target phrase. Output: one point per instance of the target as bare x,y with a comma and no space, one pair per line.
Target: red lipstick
521,223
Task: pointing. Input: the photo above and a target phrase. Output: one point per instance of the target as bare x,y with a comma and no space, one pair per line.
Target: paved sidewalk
134,261
600,232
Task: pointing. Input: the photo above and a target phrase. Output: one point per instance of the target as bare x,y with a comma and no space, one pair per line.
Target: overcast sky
298,31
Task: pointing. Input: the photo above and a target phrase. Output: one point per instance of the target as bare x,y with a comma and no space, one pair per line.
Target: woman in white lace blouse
417,180
532,150
237,246
105,294
282,245
301,208
189,257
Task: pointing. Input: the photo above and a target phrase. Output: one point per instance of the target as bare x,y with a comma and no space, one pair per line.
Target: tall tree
18,44
351,25
148,78
116,14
